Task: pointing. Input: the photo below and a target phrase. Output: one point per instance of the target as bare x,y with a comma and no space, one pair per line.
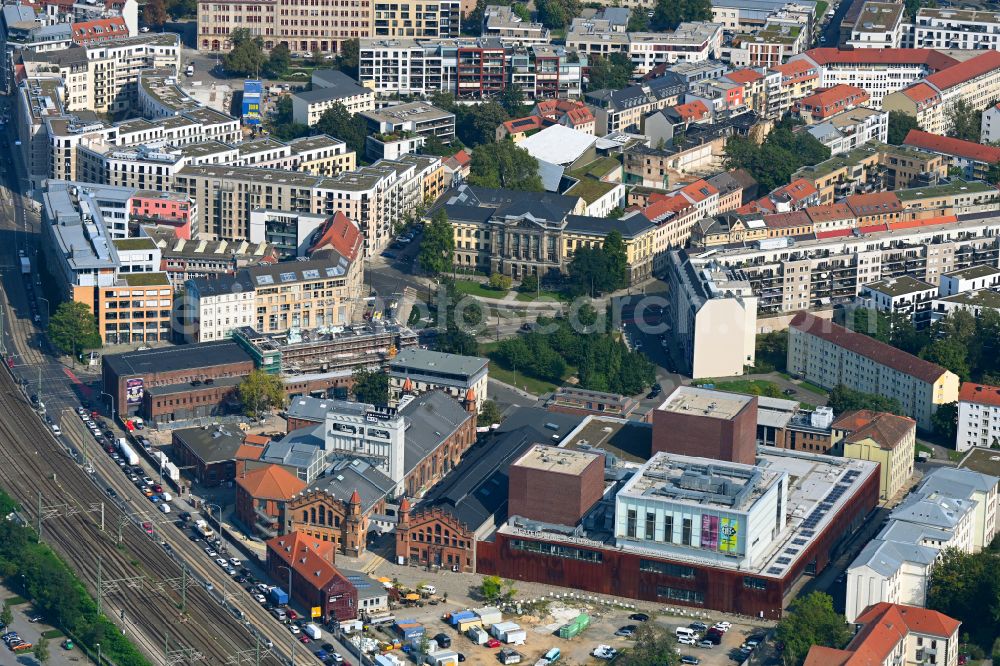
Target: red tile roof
921,93
341,234
874,203
744,76
661,208
311,558
828,101
965,71
868,347
796,70
980,394
873,228
820,655
829,212
526,124
795,218
945,145
836,233
929,222
271,482
933,59
699,190
887,430
798,189
695,110
99,30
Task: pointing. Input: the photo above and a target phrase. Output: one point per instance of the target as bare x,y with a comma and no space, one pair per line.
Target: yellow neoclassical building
879,437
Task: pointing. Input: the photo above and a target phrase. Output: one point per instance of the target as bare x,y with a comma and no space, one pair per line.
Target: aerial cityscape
645,332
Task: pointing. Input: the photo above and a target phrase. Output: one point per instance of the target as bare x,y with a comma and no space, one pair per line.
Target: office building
879,26
852,129
974,159
715,316
416,371
707,424
829,355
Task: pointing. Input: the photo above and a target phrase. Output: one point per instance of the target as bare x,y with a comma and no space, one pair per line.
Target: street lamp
98,654
289,570
111,403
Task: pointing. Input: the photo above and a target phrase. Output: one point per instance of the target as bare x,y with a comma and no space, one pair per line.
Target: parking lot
542,625
30,632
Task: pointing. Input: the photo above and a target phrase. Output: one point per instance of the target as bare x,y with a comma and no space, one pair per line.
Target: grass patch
955,456
747,387
52,634
821,7
15,601
506,375
470,288
922,448
532,297
812,388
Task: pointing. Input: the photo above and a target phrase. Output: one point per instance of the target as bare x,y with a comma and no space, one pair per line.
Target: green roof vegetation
956,186
135,243
590,189
597,169
146,279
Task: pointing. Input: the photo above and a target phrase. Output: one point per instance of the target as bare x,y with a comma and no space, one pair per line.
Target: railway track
34,463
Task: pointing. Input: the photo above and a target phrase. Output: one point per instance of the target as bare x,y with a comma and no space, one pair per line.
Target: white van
165,508
686,632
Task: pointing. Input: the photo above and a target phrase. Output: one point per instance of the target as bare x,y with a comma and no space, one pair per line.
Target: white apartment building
970,279
895,567
690,42
336,88
415,371
950,28
905,296
990,127
750,15
978,416
715,317
500,21
218,305
879,26
878,71
830,355
852,129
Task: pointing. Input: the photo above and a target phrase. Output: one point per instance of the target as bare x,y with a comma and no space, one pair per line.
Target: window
754,583
666,568
668,528
686,532
650,525
569,552
630,527
677,594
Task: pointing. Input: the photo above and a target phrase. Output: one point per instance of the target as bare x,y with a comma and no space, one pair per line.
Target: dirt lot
605,620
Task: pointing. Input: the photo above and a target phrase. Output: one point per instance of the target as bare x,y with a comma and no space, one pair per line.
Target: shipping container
489,615
25,266
455,618
442,658
477,635
127,454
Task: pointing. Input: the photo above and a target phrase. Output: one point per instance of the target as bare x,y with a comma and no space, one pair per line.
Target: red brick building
260,493
555,485
315,579
707,424
435,537
210,453
323,516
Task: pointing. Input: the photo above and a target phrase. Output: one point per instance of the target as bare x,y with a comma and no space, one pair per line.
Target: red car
493,643
157,488
148,527
304,639
292,615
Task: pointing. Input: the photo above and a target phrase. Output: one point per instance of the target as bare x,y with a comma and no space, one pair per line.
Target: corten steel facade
707,436
554,496
623,573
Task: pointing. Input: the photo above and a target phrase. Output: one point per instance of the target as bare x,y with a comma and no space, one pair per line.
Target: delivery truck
171,472
277,596
312,631
202,528
126,452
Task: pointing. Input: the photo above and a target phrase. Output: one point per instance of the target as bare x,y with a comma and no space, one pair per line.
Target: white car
605,652
235,561
222,563
211,552
260,598
723,626
294,629
687,640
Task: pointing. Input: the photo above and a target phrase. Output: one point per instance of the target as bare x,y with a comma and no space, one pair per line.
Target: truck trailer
126,452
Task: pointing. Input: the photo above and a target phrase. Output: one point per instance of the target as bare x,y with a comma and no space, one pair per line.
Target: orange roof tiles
828,101
965,71
798,189
310,557
829,212
695,110
836,233
936,143
662,207
886,430
980,394
917,224
921,93
342,235
525,124
99,30
820,655
874,203
699,190
744,76
271,482
796,70
868,347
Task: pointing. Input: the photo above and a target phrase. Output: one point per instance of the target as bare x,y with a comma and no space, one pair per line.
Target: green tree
900,125
654,645
41,650
950,353
371,386
500,282
945,421
154,14
437,246
247,55
638,21
182,9
511,98
352,129
491,589
477,124
782,153
964,121
668,14
279,61
503,165
843,399
529,284
557,14
261,392
489,414
349,58
771,352
810,620
617,259
966,586
6,615
613,72
73,328
281,125
456,341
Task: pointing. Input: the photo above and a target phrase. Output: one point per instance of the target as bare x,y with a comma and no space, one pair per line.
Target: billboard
709,531
134,390
729,535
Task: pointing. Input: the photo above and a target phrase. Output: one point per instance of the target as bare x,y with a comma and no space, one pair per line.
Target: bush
529,283
500,282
